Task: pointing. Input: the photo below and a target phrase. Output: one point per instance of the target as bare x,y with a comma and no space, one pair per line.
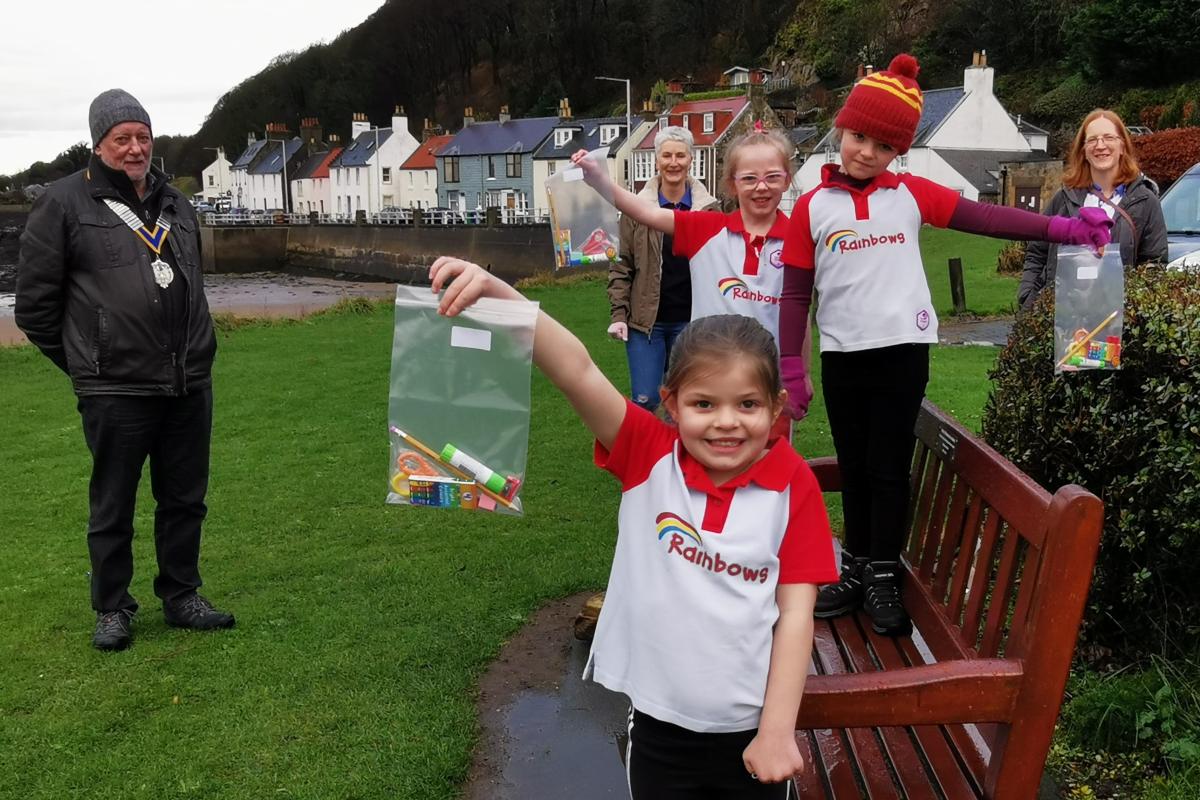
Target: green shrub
1069,102
1131,436
1011,259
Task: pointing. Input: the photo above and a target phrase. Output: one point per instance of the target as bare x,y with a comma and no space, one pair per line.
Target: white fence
400,216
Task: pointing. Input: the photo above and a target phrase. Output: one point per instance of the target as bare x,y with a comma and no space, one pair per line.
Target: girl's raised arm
557,352
650,215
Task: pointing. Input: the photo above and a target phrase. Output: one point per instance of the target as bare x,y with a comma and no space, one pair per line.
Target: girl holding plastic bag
722,540
854,239
735,258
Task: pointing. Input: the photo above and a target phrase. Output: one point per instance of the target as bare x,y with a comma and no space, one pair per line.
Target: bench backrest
1000,569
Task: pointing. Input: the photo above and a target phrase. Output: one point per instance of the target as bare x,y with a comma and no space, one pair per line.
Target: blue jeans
648,356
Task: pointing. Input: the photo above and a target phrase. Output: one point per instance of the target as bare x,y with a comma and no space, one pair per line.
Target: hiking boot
114,630
193,611
846,595
882,602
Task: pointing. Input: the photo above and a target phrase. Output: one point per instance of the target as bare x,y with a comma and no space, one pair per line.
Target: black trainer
193,611
114,630
846,595
882,602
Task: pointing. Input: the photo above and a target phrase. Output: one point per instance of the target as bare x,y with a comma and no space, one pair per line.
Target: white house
239,173
711,122
216,180
310,188
741,76
418,175
963,135
271,172
570,135
366,174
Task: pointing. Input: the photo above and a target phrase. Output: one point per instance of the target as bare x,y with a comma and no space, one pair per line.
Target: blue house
491,163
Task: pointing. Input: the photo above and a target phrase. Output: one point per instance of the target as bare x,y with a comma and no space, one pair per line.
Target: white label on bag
1088,273
470,337
572,174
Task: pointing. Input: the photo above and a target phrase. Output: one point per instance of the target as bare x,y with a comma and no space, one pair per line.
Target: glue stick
452,455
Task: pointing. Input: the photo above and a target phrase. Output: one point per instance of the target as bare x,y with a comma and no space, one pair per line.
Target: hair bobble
758,126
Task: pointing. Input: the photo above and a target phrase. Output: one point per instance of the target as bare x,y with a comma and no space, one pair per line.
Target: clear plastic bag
1089,303
458,408
584,225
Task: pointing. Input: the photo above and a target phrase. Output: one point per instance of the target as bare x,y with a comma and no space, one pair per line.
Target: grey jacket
634,280
86,294
1147,242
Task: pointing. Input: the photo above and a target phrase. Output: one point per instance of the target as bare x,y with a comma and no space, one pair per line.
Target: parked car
1181,209
204,208
1138,130
445,216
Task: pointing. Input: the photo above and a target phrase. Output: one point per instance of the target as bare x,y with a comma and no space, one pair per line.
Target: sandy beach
258,294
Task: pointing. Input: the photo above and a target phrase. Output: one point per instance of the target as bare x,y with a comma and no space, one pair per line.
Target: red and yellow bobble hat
886,105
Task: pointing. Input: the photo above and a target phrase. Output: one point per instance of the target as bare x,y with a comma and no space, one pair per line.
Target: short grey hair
674,133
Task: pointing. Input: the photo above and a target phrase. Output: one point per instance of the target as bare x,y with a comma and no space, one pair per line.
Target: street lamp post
628,118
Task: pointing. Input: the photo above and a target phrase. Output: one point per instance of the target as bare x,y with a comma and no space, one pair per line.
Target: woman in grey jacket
1101,171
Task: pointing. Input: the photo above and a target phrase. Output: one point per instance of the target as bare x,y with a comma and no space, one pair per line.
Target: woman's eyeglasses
1109,139
773,180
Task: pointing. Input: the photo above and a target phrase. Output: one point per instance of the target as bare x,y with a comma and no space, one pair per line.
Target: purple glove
1092,227
795,380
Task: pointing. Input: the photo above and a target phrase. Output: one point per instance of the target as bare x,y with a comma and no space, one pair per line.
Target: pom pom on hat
886,105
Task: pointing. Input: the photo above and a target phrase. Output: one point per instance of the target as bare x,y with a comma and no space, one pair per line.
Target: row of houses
965,140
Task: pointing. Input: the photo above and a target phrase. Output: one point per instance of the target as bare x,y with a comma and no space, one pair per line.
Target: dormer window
608,133
562,136
708,122
662,123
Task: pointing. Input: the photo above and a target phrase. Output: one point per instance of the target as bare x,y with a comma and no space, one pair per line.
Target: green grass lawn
361,627
988,293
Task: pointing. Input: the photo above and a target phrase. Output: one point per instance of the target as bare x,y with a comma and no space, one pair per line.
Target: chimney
399,120
277,131
974,58
468,117
504,115
648,112
860,74
868,70
358,124
334,140
311,134
978,77
564,109
674,93
428,131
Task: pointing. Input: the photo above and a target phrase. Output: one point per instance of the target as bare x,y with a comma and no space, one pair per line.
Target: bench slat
966,556
977,591
951,541
931,541
923,497
1002,591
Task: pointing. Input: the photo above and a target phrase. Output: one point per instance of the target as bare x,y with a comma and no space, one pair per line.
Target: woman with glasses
650,287
1101,172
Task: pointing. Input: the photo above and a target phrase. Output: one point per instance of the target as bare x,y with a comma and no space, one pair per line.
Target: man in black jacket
109,288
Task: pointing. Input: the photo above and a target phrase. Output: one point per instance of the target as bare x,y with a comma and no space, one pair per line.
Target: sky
176,57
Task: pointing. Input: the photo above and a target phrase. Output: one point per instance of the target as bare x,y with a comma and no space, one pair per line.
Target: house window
210,180
697,171
562,136
491,168
643,165
410,180
337,180
300,188
451,169
625,165
552,167
428,178
662,124
358,176
608,133
387,174
708,122
902,162
830,156
389,200
513,165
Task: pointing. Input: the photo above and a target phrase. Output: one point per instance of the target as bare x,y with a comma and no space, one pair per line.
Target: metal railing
396,217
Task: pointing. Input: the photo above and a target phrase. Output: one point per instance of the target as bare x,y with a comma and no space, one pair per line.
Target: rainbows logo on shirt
727,285
672,523
837,237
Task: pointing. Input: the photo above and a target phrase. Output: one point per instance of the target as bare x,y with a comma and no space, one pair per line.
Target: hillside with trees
1054,60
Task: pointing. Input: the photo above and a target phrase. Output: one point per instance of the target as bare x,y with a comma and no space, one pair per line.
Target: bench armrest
979,690
828,475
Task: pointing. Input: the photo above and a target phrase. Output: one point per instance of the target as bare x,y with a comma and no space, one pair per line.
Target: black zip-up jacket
1147,243
86,295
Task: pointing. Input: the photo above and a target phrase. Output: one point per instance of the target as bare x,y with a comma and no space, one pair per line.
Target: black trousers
122,432
667,762
872,398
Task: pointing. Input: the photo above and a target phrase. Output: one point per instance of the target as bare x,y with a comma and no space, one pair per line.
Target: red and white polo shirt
864,246
732,271
687,621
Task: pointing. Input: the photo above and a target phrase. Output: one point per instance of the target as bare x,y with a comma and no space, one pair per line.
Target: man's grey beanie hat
110,109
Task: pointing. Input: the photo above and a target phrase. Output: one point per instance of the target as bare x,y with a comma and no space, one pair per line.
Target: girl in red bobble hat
854,238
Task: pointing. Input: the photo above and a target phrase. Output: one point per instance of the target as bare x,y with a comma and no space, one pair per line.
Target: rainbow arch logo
672,523
727,285
837,237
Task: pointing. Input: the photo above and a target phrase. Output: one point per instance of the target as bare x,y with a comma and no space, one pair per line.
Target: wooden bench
998,572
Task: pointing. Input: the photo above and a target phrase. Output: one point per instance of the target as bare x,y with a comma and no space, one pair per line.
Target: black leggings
872,398
667,762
